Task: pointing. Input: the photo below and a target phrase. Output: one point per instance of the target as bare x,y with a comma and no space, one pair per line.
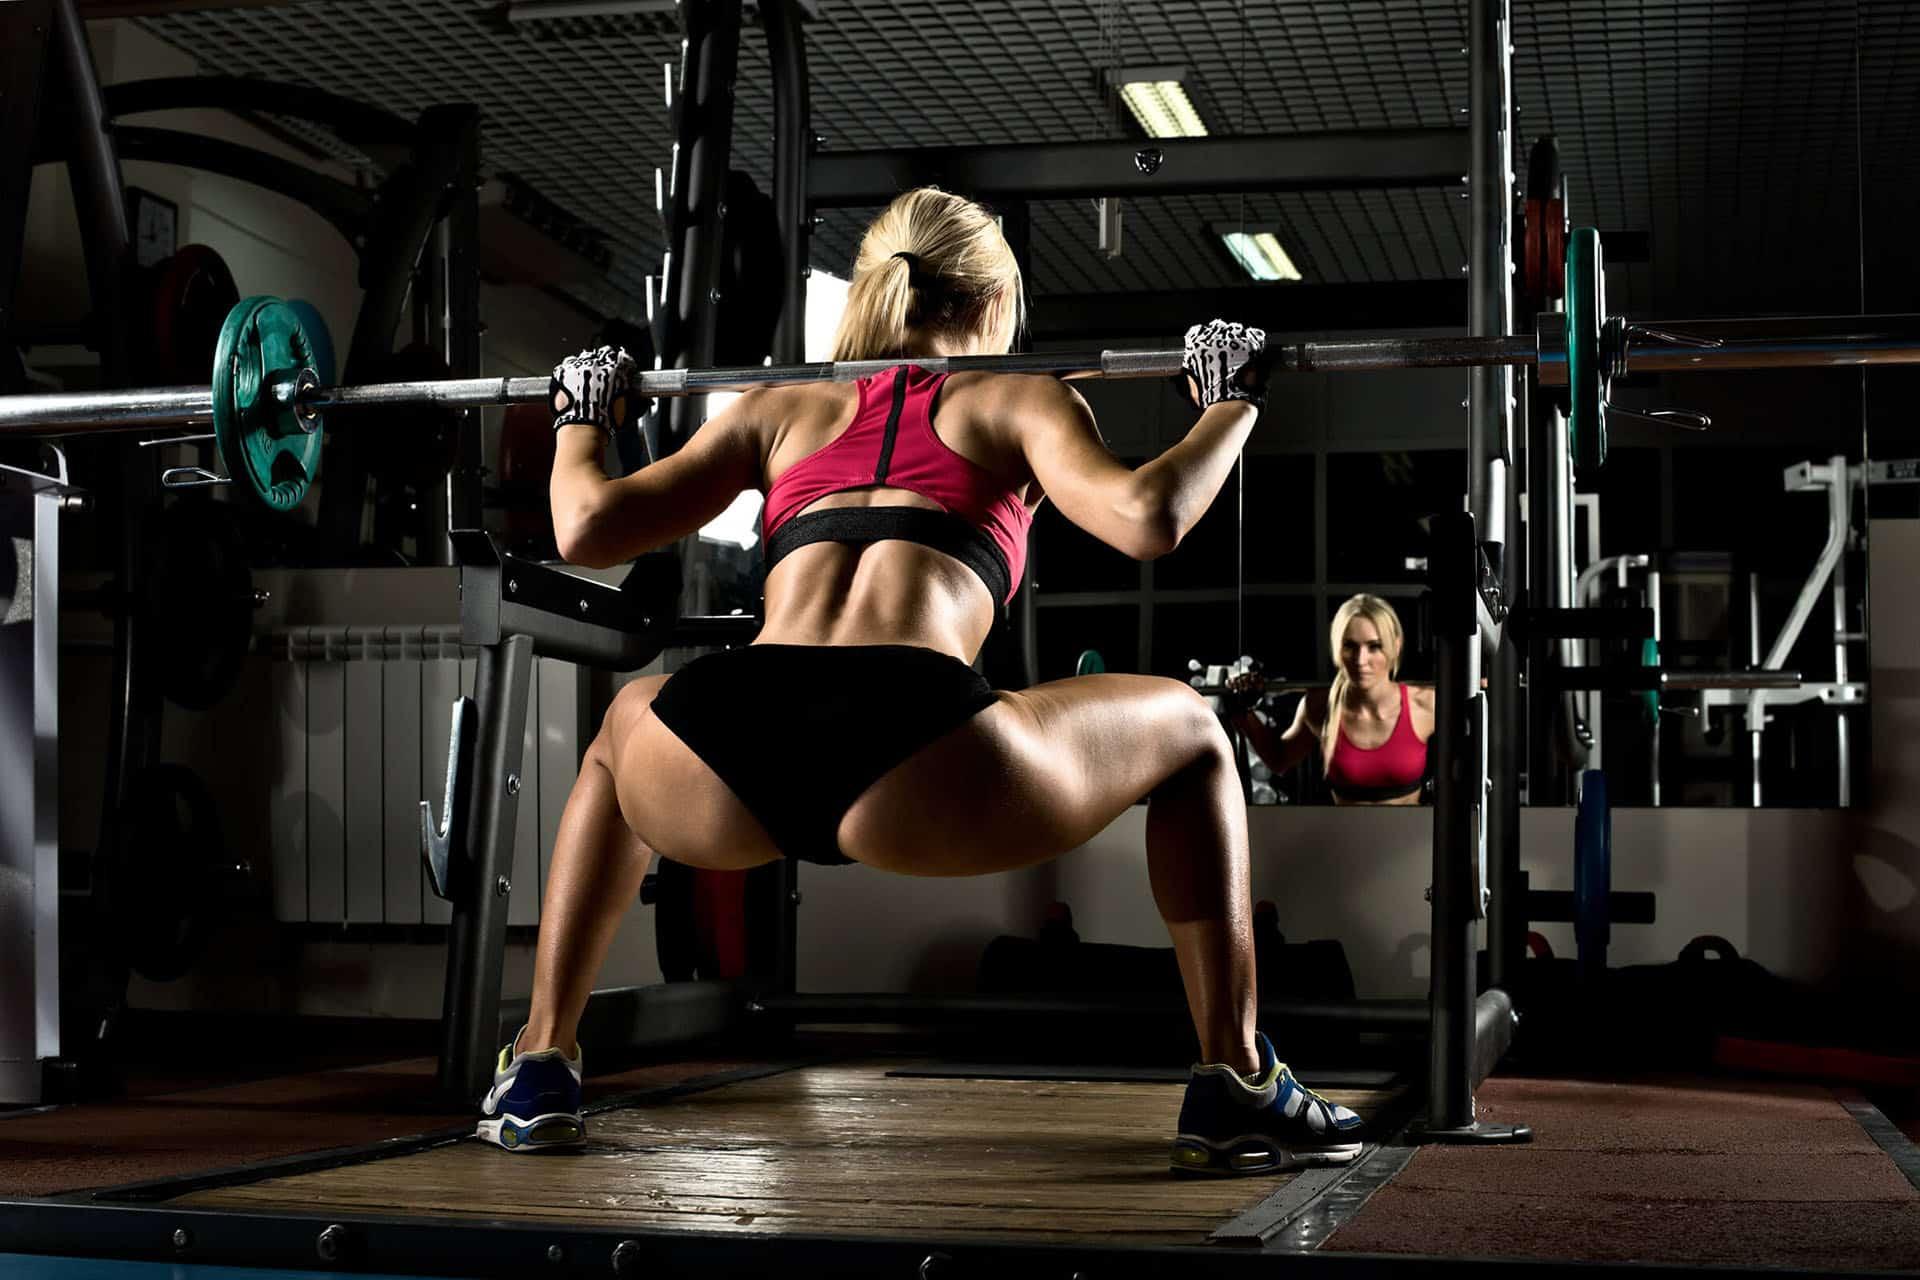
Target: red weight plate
192,293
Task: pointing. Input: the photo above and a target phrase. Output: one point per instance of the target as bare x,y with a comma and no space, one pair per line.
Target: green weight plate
1090,663
1650,657
319,336
271,456
1586,373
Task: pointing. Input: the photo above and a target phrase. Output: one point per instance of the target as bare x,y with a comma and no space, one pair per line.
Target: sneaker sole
1248,1157
511,1133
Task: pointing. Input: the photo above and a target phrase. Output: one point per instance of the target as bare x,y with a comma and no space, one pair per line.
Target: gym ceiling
1729,131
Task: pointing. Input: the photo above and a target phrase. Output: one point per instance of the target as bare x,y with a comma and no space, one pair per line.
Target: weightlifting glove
1246,687
595,388
1217,350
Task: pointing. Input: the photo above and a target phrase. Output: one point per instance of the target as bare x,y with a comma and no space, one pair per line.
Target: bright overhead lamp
1157,100
1259,253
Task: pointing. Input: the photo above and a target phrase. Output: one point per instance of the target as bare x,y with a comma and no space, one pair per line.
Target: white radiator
355,736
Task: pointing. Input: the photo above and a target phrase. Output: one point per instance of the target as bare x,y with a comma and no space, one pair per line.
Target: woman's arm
1302,737
1142,512
1146,512
599,522
1282,750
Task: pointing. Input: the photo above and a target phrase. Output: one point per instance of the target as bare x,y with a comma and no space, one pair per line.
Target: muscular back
1033,432
892,592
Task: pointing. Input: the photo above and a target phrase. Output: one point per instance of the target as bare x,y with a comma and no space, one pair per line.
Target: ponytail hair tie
916,278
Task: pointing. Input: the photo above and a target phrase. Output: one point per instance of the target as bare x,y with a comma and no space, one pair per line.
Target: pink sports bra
891,442
1394,768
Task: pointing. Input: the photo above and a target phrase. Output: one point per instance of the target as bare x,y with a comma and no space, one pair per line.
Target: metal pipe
479,884
1756,710
792,146
1840,513
1653,753
703,131
1627,679
1829,557
1730,680
45,413
1385,1016
1821,341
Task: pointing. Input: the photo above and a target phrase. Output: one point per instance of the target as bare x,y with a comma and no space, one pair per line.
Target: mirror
1721,163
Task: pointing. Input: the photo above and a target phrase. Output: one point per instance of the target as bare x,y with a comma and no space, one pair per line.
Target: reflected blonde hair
969,283
1387,623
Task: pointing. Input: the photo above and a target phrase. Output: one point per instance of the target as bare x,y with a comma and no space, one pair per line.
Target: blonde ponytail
1330,731
931,263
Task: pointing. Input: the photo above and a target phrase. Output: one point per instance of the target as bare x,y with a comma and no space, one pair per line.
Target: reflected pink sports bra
1394,768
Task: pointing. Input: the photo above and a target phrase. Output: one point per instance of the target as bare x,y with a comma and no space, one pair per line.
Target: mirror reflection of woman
1375,750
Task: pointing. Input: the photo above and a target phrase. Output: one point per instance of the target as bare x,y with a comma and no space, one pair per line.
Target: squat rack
1471,574
515,609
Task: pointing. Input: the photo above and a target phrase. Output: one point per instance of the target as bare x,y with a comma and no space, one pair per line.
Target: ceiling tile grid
1730,131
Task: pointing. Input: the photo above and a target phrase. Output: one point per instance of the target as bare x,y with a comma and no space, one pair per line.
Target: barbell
267,402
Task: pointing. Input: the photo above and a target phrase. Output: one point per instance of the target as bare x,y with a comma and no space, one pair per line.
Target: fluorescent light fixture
1259,254
554,10
1157,100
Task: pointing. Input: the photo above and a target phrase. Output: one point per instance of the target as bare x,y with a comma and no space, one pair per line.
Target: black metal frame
515,610
793,143
53,93
1476,827
703,120
1277,308
24,37
1467,1035
56,110
1358,159
1546,774
391,230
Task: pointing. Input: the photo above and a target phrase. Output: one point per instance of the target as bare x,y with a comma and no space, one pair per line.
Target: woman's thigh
1038,773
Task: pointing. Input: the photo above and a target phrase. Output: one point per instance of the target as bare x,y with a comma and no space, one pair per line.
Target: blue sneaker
1264,1123
535,1101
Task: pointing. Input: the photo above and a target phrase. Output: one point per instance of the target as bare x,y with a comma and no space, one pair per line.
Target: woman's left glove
1217,351
595,388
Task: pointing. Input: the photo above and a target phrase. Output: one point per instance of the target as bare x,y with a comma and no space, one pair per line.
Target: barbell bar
1840,341
266,402
57,413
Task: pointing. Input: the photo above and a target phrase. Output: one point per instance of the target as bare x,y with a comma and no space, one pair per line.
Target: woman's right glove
1244,689
1217,350
594,388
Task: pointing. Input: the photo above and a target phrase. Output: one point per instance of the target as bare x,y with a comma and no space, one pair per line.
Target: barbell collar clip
192,478
186,439
1670,336
1684,419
